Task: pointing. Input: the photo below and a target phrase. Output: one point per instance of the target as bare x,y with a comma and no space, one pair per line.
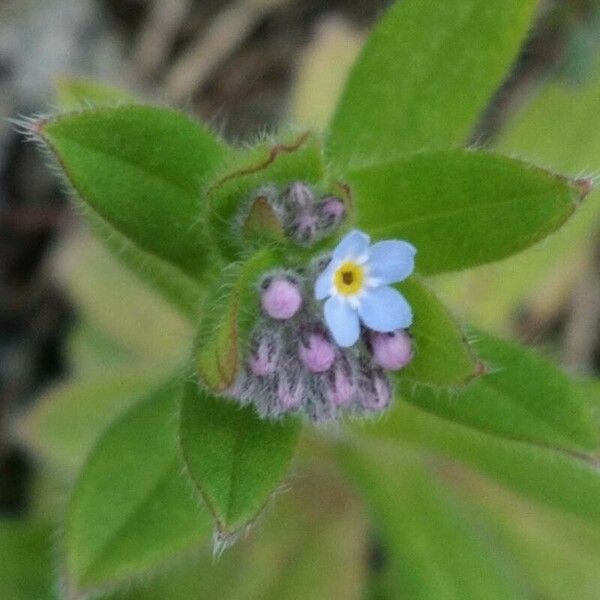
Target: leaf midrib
104,548
459,210
564,443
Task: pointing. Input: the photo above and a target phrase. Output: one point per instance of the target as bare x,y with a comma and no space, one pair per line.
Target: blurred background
75,326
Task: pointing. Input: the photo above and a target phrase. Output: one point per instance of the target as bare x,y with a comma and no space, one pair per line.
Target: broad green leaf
442,355
461,208
236,459
553,130
78,94
230,312
523,396
436,547
141,170
562,480
65,423
74,93
132,509
26,561
425,76
540,387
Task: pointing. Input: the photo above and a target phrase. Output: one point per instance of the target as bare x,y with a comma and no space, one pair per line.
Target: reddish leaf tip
480,370
584,186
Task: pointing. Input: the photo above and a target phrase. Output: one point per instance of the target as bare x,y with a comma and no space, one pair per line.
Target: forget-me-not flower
355,284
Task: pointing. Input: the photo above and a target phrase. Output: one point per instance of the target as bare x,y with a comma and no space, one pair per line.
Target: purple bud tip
341,390
391,351
333,208
317,354
263,359
289,394
585,186
281,299
305,226
383,394
300,196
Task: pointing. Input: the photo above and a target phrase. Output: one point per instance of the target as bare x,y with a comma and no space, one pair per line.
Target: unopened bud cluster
293,366
305,216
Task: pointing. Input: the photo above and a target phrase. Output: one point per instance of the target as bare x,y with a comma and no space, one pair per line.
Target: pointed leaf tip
584,186
235,459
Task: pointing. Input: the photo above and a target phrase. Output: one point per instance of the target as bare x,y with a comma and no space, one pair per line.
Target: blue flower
355,284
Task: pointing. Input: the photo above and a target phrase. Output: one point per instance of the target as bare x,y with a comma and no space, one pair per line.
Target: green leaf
442,355
461,208
74,93
175,286
564,481
522,397
141,170
540,387
132,509
553,130
436,547
230,311
26,570
235,458
65,423
424,77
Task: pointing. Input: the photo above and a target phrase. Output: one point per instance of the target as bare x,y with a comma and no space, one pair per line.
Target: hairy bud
340,388
378,392
290,394
391,351
281,298
299,198
264,355
316,353
331,212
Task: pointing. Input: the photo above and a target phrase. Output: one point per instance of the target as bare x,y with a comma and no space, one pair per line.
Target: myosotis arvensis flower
329,332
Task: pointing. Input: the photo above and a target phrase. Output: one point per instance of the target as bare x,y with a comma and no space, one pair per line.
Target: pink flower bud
299,197
331,211
391,351
263,358
305,227
340,389
289,394
383,393
316,353
281,298
376,393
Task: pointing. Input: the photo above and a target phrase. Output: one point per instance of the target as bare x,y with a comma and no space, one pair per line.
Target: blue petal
384,309
325,280
342,321
353,245
391,261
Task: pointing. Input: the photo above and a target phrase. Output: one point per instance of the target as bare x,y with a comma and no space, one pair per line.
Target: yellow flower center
349,278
